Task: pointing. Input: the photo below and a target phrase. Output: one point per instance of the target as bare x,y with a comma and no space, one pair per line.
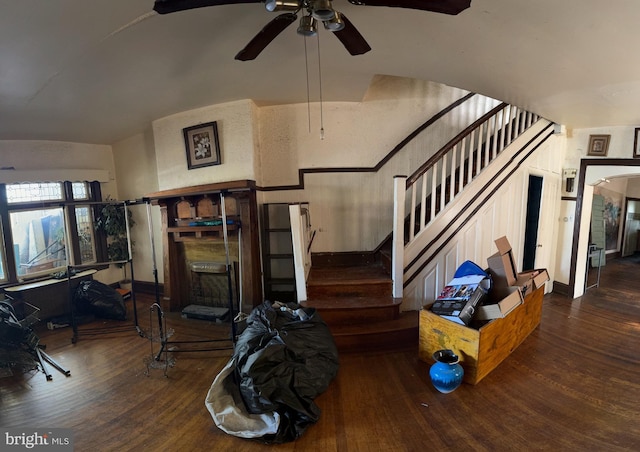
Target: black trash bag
99,299
284,358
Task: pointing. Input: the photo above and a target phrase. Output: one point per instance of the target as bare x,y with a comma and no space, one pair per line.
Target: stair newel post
397,252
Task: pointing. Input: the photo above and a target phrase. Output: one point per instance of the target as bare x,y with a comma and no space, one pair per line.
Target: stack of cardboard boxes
511,312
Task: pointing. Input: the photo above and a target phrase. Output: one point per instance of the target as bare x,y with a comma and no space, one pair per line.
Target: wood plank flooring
573,385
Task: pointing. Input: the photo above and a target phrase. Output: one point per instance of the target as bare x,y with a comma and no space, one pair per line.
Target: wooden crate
480,350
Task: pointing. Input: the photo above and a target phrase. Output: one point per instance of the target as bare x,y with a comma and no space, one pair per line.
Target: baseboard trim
147,287
561,288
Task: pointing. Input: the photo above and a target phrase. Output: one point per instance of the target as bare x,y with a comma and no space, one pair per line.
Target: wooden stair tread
358,274
352,303
398,334
346,281
355,300
407,320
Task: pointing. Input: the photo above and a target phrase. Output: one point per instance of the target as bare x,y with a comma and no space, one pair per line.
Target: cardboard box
511,300
480,350
503,271
502,264
538,277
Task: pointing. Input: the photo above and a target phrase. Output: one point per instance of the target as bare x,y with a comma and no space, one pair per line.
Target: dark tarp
99,299
284,358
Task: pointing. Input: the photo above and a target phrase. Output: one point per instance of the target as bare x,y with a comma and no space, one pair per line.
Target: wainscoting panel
451,260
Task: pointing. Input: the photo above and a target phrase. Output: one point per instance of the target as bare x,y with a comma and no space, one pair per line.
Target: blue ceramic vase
446,373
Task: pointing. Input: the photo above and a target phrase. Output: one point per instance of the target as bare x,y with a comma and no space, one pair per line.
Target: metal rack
72,269
198,345
594,252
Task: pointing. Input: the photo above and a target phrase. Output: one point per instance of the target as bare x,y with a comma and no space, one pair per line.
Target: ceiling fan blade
452,7
265,36
173,6
351,38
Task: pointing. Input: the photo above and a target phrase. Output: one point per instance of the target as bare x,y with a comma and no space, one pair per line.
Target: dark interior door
531,227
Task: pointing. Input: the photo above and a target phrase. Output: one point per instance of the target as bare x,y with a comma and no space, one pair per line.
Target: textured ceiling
99,72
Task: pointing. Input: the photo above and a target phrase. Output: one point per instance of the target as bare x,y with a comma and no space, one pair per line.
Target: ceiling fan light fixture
282,5
335,24
322,10
308,26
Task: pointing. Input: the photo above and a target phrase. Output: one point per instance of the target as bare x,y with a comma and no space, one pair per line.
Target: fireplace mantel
180,237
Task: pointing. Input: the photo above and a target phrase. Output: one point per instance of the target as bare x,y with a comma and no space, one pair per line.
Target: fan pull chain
306,64
320,88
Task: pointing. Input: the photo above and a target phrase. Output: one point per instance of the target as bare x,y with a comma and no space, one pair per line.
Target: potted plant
111,221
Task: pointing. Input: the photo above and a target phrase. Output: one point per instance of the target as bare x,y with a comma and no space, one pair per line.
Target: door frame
540,195
583,204
625,214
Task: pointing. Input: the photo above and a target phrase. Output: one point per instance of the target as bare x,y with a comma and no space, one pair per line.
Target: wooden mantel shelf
206,189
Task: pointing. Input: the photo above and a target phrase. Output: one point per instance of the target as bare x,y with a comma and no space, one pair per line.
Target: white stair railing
301,238
429,190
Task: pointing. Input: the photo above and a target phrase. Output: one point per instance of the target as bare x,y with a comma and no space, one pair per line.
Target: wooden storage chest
480,350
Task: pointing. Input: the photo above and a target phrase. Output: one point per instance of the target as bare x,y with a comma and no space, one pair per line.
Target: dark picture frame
202,145
598,145
636,144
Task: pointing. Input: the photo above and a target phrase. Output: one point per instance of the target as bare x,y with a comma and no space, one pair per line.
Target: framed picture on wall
636,144
202,145
598,145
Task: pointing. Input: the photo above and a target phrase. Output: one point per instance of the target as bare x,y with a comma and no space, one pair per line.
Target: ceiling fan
313,11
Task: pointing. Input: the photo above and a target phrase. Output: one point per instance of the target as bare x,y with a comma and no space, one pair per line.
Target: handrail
453,142
434,185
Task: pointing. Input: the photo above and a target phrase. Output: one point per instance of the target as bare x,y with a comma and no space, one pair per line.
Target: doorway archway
591,170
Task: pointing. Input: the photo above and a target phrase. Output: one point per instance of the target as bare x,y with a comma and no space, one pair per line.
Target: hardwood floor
574,384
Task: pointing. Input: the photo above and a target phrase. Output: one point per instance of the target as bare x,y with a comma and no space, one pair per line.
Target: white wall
56,161
238,150
357,134
352,211
135,163
633,187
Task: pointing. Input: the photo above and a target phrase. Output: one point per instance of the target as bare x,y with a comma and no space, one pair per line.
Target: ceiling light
322,10
308,26
281,5
335,24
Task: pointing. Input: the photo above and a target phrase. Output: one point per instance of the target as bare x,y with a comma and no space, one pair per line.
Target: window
79,190
47,191
38,240
50,227
86,237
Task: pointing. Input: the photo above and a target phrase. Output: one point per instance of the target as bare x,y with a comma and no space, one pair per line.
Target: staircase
353,295
353,292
